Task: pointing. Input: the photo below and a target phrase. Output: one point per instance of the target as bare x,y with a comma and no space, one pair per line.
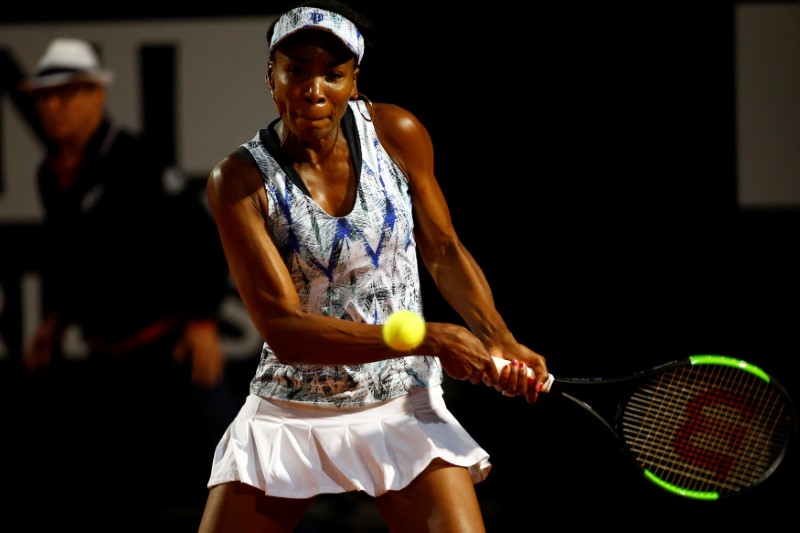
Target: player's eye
296,71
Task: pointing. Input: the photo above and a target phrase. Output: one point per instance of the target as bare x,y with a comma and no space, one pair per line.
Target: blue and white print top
359,267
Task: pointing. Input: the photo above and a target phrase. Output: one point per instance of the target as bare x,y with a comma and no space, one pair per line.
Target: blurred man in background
132,260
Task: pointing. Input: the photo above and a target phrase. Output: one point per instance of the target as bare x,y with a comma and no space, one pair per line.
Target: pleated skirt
297,450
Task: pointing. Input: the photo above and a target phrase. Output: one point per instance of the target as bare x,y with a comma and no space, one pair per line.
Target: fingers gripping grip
500,363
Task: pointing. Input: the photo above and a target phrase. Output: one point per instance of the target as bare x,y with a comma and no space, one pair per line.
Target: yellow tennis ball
404,330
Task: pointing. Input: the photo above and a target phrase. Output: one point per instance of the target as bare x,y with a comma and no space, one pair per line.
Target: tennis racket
703,427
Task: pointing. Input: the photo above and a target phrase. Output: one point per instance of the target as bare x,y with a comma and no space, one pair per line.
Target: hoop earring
275,100
280,129
368,107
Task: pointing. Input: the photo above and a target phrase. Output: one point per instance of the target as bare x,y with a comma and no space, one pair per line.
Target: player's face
313,80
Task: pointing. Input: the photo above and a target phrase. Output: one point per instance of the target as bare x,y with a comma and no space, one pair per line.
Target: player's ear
269,79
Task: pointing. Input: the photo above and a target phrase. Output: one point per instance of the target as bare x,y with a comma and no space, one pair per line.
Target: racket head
708,426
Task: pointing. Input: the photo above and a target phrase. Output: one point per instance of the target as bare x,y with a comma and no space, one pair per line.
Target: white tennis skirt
295,450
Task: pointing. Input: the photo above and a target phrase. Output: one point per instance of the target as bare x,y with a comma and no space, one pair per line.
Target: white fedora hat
67,61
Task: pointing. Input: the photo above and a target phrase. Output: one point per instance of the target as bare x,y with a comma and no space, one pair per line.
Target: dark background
588,153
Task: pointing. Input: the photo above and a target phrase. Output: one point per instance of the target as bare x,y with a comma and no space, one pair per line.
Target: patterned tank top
359,267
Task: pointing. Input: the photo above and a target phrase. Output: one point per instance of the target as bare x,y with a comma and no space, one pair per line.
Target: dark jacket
122,252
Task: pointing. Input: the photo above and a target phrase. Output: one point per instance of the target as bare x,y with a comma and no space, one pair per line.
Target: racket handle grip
499,362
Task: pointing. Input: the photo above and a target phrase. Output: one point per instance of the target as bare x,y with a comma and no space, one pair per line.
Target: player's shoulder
397,126
235,176
392,116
